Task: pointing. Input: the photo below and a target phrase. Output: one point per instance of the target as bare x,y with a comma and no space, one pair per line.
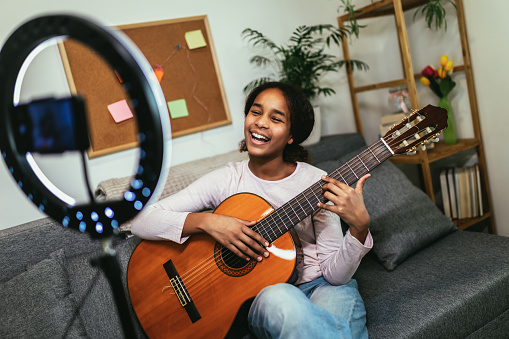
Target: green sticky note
178,108
195,39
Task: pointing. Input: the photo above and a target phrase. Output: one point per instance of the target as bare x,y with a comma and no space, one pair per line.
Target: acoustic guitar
195,289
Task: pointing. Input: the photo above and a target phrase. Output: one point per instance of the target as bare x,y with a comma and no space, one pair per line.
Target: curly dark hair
302,118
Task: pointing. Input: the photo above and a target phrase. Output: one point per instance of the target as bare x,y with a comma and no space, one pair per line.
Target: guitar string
356,165
198,287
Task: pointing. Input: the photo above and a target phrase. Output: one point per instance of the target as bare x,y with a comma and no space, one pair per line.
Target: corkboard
190,74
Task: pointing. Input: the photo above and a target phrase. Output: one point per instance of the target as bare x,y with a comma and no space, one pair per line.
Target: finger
333,181
244,246
257,244
238,252
325,206
360,184
246,222
256,236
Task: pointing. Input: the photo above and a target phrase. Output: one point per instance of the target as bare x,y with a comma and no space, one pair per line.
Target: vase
450,132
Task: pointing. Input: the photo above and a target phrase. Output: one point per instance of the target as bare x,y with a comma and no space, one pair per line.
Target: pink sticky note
120,111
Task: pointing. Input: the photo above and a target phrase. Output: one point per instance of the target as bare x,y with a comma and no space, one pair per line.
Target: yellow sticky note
178,108
195,39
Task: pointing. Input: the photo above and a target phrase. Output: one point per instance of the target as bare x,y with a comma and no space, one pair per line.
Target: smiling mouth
259,137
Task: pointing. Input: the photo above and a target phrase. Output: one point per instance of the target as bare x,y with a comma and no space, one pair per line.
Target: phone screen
51,126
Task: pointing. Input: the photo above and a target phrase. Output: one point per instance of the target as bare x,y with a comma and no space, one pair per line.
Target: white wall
227,18
488,32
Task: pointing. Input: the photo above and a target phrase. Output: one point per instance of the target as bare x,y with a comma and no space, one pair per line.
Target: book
473,191
479,191
444,187
452,193
462,192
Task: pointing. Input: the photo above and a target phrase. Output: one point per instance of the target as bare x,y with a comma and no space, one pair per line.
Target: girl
324,302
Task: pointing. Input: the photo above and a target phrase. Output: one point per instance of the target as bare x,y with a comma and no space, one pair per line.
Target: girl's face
267,125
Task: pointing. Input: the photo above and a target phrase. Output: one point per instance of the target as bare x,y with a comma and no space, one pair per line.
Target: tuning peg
423,147
411,151
434,139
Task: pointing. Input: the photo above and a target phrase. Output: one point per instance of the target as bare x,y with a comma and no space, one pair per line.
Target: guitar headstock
417,129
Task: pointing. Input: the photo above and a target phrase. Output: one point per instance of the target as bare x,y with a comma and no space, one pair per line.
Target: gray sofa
423,278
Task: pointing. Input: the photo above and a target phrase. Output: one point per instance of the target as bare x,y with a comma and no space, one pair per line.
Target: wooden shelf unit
397,8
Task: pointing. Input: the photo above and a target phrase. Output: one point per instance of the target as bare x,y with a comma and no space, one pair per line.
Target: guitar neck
306,203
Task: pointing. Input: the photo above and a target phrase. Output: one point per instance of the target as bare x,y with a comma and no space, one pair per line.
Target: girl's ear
290,141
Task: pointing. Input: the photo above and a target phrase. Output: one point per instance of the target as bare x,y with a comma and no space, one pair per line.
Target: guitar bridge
181,291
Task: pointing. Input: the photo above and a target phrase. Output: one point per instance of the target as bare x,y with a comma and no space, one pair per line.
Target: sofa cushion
403,218
450,289
28,243
89,283
38,303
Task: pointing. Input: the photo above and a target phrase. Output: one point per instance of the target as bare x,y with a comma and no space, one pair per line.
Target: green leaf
303,62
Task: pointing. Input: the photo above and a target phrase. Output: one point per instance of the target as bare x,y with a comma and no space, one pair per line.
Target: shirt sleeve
339,255
164,220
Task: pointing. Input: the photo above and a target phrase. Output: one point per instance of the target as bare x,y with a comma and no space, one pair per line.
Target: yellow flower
449,66
443,60
425,81
441,73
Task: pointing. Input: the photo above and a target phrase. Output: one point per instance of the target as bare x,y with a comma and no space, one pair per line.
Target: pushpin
159,72
118,77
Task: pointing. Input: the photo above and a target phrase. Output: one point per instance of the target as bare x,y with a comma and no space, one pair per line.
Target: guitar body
217,281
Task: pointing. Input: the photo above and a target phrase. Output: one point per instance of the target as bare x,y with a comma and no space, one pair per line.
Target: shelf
395,83
382,8
467,222
423,159
440,151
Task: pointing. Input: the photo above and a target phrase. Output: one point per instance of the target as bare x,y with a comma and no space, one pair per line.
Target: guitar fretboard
306,203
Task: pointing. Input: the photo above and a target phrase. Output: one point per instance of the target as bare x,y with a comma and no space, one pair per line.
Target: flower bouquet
440,82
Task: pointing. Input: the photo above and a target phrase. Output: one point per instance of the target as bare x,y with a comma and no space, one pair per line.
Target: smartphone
51,126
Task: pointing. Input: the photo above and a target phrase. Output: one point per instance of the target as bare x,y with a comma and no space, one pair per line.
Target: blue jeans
315,309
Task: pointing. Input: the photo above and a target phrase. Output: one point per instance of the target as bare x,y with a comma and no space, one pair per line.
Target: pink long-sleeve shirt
326,252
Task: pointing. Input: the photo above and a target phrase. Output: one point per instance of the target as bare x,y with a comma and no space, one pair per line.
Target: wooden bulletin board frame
190,74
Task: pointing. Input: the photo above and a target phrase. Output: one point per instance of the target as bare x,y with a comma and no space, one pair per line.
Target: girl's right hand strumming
234,234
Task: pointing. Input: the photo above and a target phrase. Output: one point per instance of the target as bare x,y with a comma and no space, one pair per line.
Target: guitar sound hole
230,263
232,260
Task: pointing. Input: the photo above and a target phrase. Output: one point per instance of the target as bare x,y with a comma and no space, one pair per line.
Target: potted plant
303,61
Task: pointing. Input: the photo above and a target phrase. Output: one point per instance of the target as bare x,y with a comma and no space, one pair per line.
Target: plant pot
316,133
450,137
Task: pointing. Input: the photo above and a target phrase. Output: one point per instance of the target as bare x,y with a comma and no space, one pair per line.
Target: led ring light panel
99,219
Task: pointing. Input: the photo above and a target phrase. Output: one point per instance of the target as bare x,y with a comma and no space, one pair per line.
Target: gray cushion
99,311
28,243
450,289
403,218
38,304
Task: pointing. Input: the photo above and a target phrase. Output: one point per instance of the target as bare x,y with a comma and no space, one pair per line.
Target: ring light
99,219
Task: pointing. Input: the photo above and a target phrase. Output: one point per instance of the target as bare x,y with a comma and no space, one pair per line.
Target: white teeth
258,136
